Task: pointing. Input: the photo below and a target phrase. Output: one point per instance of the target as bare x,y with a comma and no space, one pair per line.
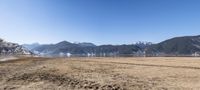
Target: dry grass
157,73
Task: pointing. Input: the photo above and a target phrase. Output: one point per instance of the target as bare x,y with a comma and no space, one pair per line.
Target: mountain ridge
177,46
84,49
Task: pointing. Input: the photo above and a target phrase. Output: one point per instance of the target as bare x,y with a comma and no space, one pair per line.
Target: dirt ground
155,73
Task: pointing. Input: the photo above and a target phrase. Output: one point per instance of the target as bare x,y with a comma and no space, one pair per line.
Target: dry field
158,73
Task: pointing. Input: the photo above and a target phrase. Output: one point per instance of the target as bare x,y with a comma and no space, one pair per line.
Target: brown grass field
152,73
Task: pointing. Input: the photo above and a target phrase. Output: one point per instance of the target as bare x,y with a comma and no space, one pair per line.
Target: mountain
84,49
8,48
31,46
85,44
178,46
56,49
186,45
117,50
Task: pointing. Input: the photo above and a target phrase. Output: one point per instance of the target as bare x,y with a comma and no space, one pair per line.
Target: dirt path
151,65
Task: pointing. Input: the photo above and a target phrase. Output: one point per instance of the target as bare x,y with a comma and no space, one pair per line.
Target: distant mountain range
85,49
31,46
88,49
178,46
8,48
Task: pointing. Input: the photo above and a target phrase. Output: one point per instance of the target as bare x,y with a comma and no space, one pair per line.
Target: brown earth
156,73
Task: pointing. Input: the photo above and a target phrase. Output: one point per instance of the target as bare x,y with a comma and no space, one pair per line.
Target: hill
186,45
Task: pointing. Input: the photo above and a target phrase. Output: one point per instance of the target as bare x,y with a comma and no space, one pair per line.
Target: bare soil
156,73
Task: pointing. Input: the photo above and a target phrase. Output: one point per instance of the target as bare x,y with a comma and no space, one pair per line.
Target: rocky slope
8,48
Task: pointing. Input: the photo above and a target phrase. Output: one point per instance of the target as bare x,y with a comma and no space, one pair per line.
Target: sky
97,21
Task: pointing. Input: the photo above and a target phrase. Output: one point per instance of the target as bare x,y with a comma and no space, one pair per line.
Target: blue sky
98,21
